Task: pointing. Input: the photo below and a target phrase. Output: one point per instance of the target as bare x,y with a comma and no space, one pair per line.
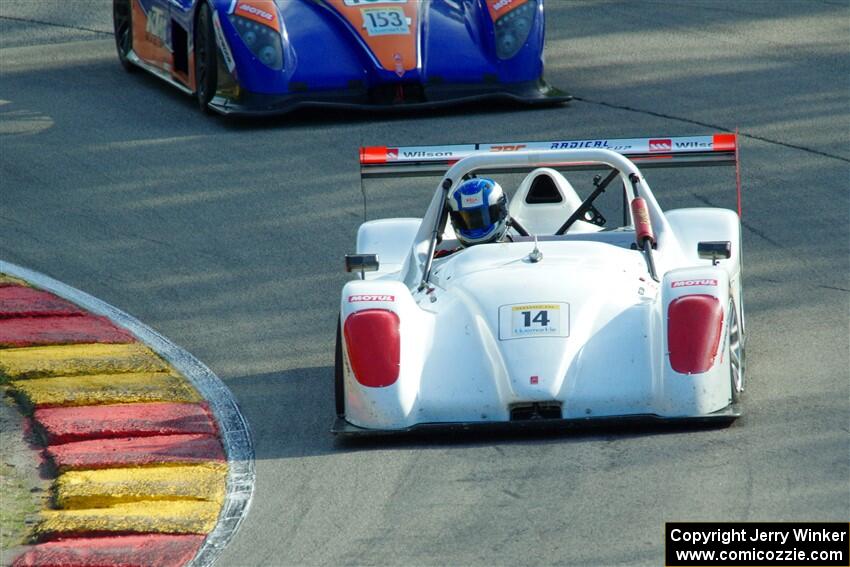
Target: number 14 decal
542,318
534,320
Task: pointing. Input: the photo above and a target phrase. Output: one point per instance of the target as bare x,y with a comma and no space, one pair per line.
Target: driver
478,209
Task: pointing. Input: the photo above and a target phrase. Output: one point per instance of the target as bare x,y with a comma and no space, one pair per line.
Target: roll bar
629,173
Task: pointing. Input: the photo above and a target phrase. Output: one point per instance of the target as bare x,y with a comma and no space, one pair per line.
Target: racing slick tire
339,384
206,58
122,20
737,356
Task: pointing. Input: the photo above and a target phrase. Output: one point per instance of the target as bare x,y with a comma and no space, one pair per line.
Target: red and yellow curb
136,449
62,425
135,550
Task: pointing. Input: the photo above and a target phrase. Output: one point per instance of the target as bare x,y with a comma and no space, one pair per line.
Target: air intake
543,190
535,411
397,93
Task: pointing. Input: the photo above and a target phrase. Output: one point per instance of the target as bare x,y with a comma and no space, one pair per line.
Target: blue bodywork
325,61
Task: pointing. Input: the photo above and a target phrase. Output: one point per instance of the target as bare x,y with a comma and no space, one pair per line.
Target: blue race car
272,56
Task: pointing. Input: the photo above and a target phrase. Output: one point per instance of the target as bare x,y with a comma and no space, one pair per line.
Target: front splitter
726,416
533,93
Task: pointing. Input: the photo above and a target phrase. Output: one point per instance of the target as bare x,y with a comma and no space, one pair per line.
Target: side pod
696,373
390,239
384,337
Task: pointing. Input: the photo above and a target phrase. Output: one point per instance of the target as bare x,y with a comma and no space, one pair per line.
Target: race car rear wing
687,151
719,149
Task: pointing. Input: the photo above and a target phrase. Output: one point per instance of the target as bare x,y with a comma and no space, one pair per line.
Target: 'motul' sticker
530,320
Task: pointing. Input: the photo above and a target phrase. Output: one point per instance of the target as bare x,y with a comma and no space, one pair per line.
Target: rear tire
339,381
122,20
737,357
206,58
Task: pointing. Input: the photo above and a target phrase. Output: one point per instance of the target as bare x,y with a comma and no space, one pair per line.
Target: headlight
513,28
263,41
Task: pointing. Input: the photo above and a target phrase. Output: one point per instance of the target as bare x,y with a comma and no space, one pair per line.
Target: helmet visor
476,219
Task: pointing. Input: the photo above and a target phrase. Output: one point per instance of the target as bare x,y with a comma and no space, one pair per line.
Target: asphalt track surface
228,238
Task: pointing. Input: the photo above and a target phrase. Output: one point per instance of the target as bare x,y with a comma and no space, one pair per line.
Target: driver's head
478,209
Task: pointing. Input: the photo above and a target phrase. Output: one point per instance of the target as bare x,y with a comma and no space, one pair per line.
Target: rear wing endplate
683,151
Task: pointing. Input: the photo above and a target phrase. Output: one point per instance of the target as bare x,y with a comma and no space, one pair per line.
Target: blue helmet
478,209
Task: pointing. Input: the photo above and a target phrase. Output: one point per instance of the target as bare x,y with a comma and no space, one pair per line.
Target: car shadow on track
328,115
291,413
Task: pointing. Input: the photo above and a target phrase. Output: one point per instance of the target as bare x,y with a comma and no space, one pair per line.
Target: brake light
374,346
693,332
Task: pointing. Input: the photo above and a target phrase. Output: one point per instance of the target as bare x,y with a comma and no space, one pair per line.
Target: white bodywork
604,350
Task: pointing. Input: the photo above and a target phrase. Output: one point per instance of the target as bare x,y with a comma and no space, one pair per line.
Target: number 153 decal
385,21
529,320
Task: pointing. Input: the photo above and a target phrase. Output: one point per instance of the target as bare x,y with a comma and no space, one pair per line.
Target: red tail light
374,346
693,332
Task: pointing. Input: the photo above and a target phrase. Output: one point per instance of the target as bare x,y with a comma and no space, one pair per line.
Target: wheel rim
735,352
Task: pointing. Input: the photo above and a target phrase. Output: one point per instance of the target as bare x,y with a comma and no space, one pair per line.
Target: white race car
564,322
